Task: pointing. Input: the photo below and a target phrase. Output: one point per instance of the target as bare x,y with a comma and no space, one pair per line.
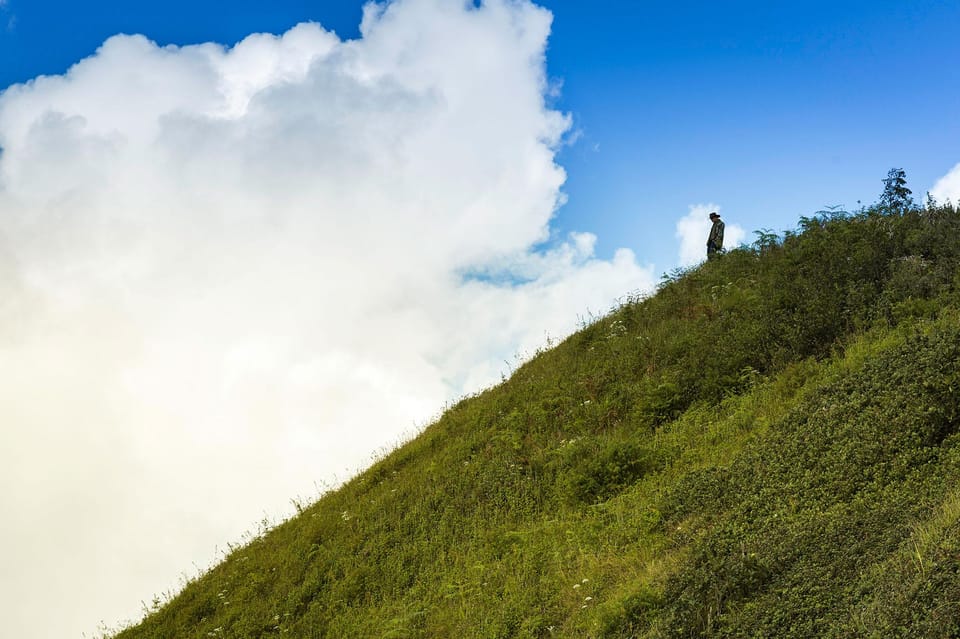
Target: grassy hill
767,447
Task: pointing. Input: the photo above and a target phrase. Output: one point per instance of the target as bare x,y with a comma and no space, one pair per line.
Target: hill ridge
768,446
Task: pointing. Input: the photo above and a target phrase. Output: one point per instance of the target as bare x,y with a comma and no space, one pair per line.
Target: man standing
715,241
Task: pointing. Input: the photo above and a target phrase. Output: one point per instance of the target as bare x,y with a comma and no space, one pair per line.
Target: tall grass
766,447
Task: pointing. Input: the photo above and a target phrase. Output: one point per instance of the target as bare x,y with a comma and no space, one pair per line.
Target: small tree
896,195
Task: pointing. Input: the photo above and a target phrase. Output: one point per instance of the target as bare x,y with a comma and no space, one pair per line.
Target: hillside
767,447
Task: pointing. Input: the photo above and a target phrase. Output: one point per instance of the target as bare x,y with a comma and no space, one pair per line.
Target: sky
244,252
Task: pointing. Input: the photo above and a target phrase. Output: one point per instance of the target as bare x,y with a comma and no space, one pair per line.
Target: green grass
767,447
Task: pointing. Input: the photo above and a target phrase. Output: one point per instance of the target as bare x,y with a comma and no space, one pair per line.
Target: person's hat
714,214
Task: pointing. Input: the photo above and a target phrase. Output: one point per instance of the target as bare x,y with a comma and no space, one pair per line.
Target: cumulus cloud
948,187
694,228
229,273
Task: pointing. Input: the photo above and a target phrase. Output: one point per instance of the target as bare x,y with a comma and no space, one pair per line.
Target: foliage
896,196
766,447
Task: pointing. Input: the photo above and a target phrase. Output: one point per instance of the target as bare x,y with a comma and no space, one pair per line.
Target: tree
896,195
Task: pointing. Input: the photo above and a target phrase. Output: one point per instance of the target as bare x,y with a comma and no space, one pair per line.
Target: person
715,240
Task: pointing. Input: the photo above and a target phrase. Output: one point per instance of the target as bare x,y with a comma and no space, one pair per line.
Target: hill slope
767,447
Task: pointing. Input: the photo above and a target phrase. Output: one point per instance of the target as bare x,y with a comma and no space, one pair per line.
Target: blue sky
771,110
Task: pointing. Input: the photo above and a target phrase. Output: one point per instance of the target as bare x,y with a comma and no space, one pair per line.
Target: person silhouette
715,240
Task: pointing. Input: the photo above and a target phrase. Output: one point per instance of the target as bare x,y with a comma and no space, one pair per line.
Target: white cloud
226,274
693,229
948,187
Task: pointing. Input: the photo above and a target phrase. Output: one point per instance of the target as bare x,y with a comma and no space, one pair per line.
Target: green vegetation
767,447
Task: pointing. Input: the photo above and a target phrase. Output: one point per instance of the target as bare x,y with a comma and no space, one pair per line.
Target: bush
597,473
